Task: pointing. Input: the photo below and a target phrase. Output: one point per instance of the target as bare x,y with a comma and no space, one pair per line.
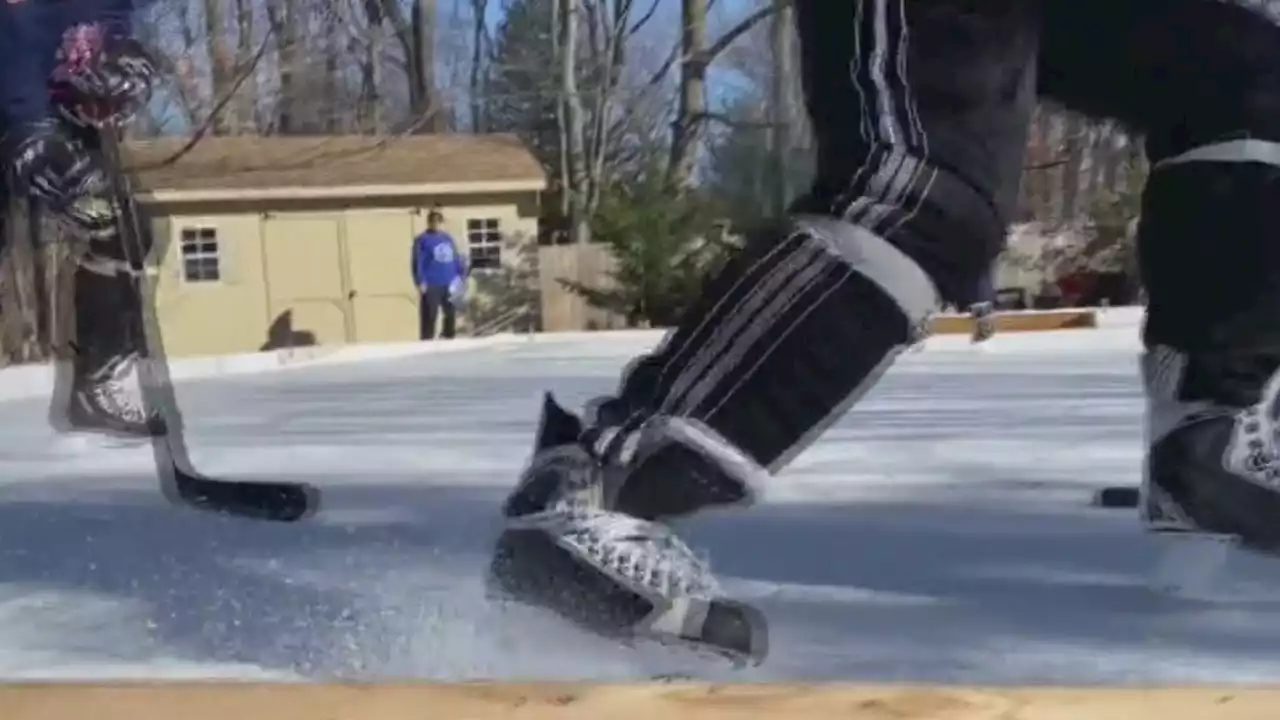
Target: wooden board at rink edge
1020,321
654,701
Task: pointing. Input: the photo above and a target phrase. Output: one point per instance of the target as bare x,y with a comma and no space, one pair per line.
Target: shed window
200,259
484,243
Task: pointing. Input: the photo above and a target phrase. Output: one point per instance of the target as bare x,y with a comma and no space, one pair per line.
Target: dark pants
1187,74
922,142
920,112
435,301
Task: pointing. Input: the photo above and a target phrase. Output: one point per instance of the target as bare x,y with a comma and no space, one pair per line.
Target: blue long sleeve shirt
435,261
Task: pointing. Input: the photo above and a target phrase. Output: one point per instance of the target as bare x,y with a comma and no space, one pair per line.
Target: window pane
208,234
474,225
189,248
212,273
486,258
491,224
210,247
191,270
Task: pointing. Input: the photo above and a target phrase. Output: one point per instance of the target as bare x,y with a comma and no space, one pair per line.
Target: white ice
940,532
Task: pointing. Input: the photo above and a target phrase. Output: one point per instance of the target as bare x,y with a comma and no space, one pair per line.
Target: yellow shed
288,241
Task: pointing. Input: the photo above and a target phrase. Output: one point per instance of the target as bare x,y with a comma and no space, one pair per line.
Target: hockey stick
180,483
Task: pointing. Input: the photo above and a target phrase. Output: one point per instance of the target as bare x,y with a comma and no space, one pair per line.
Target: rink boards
1018,321
484,701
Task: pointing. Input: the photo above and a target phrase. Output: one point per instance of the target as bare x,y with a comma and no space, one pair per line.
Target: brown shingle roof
246,161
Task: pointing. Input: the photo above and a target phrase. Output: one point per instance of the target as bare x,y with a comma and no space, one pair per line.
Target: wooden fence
562,309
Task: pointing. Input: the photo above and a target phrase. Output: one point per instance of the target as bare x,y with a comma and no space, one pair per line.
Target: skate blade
646,633
700,650
714,628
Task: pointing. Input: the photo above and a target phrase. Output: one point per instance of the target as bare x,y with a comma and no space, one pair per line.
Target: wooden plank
1018,321
490,701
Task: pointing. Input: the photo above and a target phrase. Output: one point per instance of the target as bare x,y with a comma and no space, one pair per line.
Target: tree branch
218,107
714,49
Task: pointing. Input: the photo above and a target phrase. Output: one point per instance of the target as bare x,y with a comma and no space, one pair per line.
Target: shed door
304,280
384,301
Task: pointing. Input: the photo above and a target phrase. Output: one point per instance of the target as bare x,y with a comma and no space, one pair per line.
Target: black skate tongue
557,426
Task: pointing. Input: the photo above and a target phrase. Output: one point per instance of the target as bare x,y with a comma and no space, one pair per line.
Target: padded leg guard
785,339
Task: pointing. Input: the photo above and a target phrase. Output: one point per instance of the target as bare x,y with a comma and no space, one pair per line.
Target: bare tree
572,123
686,128
695,56
780,96
476,74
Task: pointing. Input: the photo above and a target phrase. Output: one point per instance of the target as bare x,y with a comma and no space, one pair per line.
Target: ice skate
572,545
1211,468
984,322
98,401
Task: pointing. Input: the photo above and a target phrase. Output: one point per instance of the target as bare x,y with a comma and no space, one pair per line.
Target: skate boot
98,401
1212,467
984,322
573,545
90,393
785,337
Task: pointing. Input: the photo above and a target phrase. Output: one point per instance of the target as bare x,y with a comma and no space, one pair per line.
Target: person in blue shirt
439,275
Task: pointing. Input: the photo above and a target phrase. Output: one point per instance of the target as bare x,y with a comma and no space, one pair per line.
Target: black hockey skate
573,546
984,322
1211,469
97,401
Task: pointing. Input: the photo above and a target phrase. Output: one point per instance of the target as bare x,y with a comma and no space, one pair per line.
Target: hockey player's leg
983,311
91,395
919,149
1203,88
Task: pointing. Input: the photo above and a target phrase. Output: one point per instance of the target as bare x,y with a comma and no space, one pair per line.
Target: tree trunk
1074,141
422,75
1044,206
574,122
246,103
780,139
283,16
221,62
692,110
479,34
1111,161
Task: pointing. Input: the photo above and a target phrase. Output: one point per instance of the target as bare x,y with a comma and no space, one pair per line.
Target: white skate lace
111,394
645,556
1252,450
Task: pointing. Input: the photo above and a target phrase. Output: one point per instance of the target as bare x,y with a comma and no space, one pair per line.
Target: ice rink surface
940,532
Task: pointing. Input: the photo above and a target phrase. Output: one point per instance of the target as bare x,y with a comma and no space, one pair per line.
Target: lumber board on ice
652,701
1018,321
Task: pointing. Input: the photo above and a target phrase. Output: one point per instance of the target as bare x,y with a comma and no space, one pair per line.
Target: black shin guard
920,111
785,338
1208,103
108,319
1211,264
